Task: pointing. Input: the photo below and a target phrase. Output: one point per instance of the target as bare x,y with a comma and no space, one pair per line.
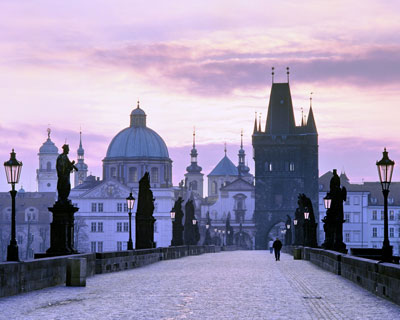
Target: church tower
194,177
46,175
243,169
286,163
81,174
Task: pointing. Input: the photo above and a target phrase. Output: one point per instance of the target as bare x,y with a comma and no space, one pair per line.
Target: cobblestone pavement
226,285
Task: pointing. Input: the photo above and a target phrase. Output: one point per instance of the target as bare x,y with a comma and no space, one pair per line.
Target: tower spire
225,148
255,123
287,73
241,139
273,73
259,123
311,93
138,103
194,137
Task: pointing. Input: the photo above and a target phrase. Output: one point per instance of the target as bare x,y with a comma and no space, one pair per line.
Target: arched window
268,166
154,175
133,174
113,172
291,166
240,204
214,187
48,166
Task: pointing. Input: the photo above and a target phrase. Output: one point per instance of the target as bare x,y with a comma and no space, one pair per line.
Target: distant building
286,163
32,222
81,174
46,175
363,212
102,219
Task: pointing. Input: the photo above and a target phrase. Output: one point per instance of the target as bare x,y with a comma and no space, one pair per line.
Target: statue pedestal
144,232
62,230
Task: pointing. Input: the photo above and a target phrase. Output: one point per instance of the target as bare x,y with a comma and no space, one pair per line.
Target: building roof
137,141
224,168
48,147
89,183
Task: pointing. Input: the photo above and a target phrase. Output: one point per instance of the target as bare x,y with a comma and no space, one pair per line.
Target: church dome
48,146
137,141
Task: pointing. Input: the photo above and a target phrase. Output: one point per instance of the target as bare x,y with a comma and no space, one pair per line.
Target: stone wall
19,277
383,279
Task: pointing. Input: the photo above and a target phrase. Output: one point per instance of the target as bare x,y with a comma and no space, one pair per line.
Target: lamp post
306,226
385,170
13,172
295,231
207,240
130,202
223,238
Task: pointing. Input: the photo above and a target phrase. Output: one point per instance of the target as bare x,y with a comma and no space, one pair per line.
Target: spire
273,73
48,133
242,168
194,137
193,156
311,126
225,148
80,151
241,139
138,104
302,118
255,124
287,73
259,124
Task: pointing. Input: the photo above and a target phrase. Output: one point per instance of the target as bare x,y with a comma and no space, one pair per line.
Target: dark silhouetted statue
190,230
309,225
144,215
62,226
288,234
333,221
64,168
177,227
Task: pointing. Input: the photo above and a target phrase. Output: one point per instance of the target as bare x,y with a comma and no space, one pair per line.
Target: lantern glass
327,201
13,169
194,221
223,231
207,226
385,170
229,232
172,213
215,230
306,214
130,201
288,226
295,222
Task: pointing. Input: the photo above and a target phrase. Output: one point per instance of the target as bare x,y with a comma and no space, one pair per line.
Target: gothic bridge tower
286,163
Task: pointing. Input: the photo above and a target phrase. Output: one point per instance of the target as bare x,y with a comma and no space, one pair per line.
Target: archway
277,231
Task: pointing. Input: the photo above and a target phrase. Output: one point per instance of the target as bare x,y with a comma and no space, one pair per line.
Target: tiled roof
224,168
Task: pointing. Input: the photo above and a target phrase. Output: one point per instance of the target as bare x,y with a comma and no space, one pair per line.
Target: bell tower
46,175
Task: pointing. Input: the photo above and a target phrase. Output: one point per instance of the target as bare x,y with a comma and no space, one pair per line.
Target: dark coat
277,245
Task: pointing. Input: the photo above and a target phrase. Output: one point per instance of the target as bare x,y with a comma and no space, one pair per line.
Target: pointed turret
81,174
193,157
255,124
193,176
259,124
280,118
311,126
243,170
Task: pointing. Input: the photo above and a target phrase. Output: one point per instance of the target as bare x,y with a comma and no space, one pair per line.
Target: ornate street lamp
13,171
306,214
130,201
385,170
295,222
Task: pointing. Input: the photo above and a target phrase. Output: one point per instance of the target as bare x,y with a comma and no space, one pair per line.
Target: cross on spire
311,99
225,148
194,137
287,73
273,73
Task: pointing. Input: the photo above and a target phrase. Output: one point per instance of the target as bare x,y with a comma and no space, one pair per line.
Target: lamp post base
387,253
12,252
130,245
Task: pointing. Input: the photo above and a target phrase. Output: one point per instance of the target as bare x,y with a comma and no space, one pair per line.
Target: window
270,166
155,227
100,206
374,246
94,207
347,217
391,232
119,207
126,227
347,201
391,215
214,187
382,215
93,246
133,174
154,175
119,245
113,172
356,200
374,215
291,166
266,166
48,166
391,200
100,246
93,227
119,226
100,227
125,207
347,237
20,239
193,185
374,232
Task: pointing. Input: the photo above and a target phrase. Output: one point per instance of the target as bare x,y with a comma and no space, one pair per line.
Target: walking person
277,249
270,246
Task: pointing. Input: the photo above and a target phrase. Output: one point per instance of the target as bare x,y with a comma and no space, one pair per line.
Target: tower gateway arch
286,163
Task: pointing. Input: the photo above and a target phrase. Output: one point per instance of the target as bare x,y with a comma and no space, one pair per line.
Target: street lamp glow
207,226
295,222
306,213
194,221
327,201
130,201
172,213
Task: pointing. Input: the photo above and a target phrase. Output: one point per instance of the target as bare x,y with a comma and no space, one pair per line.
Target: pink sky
200,63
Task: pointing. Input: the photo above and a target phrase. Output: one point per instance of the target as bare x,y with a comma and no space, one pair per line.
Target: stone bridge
224,285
